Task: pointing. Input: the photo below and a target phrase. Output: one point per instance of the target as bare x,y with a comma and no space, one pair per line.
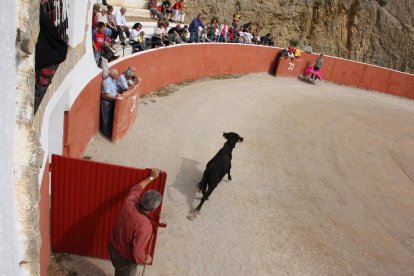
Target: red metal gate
86,197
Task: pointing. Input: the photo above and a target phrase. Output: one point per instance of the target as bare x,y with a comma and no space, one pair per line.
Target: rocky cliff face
360,30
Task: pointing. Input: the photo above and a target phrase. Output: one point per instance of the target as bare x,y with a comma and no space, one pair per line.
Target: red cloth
132,229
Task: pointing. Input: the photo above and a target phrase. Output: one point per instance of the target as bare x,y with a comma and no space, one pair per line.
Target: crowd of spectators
108,26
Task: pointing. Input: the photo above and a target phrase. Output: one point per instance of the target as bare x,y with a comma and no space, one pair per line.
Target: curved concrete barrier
162,67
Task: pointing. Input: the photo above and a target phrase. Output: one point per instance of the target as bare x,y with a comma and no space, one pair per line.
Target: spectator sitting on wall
152,4
121,25
112,24
298,54
224,29
133,38
267,40
96,9
109,95
308,49
178,11
166,9
124,82
102,16
291,52
236,19
194,28
173,34
101,44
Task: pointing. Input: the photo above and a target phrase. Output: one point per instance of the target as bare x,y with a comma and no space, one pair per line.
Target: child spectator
204,37
178,11
101,44
133,38
224,29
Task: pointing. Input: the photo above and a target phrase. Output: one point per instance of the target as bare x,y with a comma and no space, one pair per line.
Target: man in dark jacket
194,28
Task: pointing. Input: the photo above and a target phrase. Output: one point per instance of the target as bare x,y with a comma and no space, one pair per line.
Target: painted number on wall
134,103
291,66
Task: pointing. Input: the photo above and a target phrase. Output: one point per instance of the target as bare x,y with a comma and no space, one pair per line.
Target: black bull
218,167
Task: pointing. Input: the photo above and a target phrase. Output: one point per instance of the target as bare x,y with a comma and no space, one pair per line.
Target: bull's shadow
186,181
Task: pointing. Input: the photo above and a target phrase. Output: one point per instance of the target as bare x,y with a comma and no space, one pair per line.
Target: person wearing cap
132,230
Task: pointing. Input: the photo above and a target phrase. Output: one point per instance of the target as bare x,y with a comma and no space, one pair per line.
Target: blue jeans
193,37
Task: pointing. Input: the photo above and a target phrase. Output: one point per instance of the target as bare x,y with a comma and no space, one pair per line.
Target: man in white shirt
121,25
109,95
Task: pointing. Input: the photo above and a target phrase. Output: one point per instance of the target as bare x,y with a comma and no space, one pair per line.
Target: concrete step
137,12
140,4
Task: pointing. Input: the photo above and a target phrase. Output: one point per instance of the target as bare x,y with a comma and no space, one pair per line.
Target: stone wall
360,30
27,153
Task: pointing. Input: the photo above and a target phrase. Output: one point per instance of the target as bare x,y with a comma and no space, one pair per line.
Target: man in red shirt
178,11
133,230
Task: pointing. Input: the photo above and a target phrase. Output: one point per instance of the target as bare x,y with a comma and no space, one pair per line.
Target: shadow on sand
186,182
306,79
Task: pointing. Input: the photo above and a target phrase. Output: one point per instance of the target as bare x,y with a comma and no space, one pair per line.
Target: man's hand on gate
149,259
155,172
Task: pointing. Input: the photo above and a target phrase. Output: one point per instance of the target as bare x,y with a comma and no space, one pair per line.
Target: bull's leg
197,209
228,174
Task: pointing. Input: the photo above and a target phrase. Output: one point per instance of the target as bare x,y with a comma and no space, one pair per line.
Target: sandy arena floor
323,183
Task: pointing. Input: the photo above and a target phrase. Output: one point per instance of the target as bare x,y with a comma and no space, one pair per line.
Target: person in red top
100,43
178,11
96,9
132,230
